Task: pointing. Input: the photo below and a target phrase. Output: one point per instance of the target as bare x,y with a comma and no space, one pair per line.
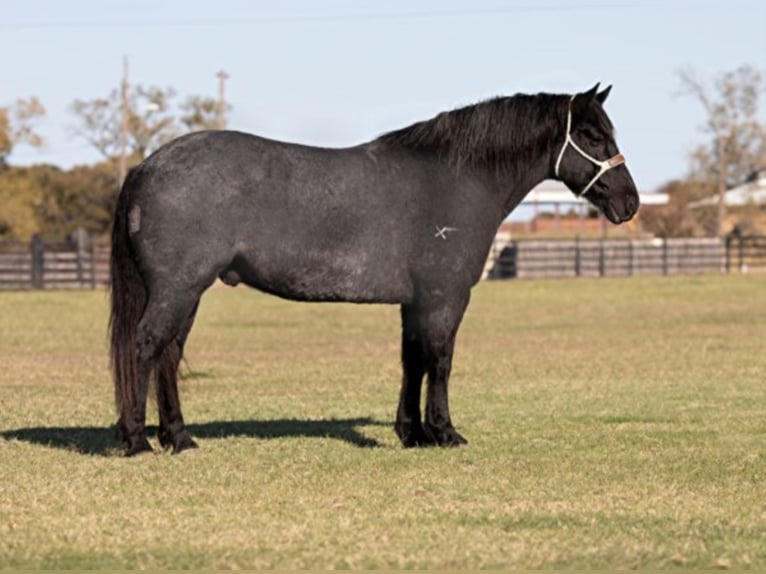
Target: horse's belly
318,276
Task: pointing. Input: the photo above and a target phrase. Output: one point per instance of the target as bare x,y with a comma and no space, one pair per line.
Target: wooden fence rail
48,265
83,264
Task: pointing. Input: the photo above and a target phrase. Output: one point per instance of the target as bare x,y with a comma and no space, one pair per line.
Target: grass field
612,423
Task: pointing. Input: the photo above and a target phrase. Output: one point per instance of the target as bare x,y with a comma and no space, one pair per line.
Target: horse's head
588,161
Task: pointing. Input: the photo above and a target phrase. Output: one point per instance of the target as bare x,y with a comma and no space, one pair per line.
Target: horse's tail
128,303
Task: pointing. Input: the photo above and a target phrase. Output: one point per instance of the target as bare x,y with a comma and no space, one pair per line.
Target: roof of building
553,191
751,192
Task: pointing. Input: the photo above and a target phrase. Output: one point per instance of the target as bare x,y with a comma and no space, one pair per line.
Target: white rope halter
604,166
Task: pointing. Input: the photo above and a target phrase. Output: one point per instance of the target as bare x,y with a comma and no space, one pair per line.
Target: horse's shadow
100,441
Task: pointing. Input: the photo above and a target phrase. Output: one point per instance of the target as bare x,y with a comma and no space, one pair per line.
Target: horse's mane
497,134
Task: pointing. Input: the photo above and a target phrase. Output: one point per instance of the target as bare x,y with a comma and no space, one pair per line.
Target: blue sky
339,72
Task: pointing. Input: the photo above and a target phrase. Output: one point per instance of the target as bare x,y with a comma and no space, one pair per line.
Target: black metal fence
535,258
745,253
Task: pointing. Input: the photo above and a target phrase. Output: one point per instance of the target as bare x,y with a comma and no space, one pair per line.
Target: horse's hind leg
409,426
172,432
162,320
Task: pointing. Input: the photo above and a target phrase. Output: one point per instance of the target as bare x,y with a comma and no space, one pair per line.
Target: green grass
612,423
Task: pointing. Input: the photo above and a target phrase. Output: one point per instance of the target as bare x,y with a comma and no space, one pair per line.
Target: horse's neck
514,192
535,155
514,185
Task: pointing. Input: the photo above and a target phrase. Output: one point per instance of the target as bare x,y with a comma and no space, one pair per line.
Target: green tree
20,197
82,197
53,202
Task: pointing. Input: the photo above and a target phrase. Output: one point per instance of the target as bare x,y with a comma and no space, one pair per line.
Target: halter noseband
603,166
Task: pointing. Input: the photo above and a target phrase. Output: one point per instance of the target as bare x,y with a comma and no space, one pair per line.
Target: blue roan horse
407,218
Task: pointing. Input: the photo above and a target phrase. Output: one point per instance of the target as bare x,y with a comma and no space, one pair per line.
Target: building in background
552,209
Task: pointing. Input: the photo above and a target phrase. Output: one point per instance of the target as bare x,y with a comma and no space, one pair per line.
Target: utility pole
124,121
220,117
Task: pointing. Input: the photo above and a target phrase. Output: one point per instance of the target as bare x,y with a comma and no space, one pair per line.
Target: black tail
128,303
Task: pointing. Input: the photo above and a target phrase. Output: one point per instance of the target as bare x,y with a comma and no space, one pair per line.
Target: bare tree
17,125
675,218
150,121
200,113
737,145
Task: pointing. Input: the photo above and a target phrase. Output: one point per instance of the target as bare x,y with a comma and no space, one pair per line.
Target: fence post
630,257
727,253
578,257
80,245
92,265
38,261
513,253
740,253
664,255
601,259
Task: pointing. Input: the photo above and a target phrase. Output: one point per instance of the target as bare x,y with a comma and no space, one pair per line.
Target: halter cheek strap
603,166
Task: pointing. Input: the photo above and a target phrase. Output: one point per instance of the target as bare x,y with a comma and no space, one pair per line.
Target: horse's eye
593,137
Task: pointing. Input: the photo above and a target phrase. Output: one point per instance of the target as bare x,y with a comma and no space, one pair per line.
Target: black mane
496,134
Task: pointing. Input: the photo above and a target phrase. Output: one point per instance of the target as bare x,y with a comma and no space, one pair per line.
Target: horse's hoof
456,440
414,436
185,445
165,438
417,442
139,447
446,437
178,441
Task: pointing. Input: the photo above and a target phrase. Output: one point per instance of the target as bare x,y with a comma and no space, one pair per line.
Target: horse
407,218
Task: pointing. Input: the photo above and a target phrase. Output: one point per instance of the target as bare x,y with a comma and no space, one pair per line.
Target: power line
287,19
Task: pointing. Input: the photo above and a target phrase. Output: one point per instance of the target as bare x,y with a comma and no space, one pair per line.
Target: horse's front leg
409,425
439,322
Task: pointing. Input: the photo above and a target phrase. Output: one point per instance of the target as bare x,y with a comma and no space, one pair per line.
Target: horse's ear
584,100
601,96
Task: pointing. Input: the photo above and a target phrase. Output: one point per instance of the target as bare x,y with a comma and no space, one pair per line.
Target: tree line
53,202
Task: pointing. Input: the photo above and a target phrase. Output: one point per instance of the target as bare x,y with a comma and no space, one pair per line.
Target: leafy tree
47,200
20,197
82,197
17,125
737,140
